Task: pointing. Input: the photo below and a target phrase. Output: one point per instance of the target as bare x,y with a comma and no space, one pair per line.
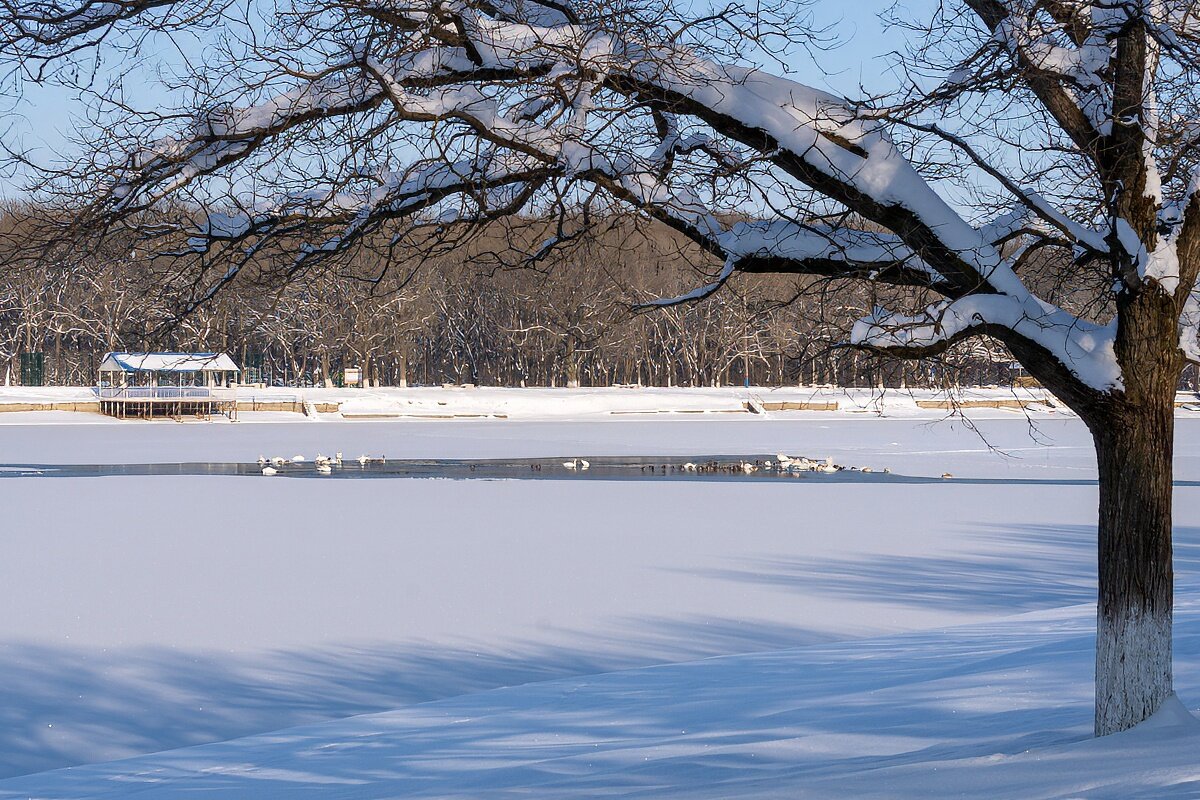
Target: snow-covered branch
1083,348
526,102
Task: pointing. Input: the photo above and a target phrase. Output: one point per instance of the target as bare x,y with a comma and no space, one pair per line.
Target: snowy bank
542,403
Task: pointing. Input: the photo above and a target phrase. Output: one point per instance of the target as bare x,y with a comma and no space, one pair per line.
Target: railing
163,393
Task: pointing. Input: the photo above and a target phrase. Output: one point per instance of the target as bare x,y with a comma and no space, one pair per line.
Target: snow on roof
167,362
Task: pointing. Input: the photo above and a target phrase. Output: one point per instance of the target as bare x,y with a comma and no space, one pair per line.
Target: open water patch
722,468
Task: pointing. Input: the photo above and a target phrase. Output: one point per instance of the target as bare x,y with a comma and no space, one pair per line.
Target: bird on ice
269,471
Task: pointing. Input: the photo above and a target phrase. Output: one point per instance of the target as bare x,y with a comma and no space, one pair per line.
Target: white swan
269,471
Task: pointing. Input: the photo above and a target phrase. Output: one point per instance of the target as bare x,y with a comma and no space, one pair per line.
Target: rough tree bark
1134,435
1134,610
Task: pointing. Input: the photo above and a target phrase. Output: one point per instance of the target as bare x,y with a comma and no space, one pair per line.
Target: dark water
603,468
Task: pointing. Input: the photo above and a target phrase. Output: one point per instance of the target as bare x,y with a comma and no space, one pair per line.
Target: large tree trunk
1133,429
1133,616
1134,434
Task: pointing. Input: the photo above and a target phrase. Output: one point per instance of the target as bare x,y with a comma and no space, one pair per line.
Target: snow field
151,613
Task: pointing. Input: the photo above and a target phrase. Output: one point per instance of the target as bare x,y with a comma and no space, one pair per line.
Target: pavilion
145,384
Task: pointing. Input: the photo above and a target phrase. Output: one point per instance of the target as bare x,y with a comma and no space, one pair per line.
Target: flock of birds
324,464
781,464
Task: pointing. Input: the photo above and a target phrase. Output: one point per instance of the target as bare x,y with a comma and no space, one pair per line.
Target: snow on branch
401,194
27,25
223,135
532,93
1083,348
1189,328
695,294
1076,232
785,246
1067,77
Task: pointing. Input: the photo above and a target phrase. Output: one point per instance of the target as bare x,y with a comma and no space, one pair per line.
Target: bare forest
478,310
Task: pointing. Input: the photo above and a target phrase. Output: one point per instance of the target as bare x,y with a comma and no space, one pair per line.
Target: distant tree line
408,313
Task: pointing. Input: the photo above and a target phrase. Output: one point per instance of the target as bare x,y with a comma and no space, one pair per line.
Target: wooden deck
167,401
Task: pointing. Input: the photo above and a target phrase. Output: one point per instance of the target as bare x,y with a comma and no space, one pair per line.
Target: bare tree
1071,122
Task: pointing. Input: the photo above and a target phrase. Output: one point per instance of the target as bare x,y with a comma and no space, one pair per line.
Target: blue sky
44,116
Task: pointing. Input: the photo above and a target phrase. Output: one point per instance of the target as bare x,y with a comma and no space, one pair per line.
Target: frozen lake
147,612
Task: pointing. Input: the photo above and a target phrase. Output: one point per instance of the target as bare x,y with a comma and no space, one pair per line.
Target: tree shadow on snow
1039,566
61,705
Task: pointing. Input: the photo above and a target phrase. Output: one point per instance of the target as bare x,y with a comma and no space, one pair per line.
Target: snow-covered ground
870,639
